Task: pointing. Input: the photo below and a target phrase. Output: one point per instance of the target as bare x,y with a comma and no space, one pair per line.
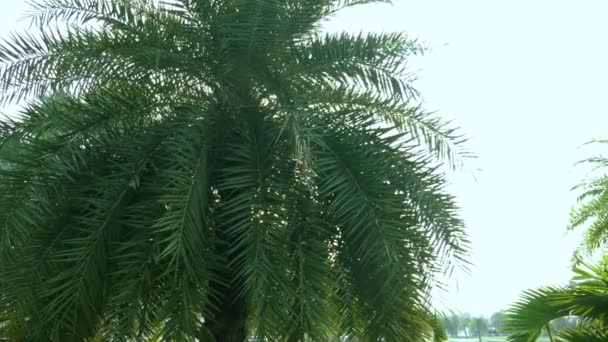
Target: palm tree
497,321
452,324
478,326
586,298
218,170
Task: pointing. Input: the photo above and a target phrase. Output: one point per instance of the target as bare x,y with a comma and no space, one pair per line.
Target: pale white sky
526,80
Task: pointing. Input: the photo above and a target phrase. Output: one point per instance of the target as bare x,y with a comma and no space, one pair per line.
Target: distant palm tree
478,326
497,321
215,170
586,298
452,324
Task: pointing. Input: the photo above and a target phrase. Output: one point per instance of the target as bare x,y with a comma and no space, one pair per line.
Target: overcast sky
526,81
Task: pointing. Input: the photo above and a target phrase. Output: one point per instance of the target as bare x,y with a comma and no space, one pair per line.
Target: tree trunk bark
549,332
229,323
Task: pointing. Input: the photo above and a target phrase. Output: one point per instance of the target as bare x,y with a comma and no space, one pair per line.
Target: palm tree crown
213,170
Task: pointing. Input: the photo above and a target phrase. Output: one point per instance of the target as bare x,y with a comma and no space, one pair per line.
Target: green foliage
586,298
439,331
452,324
478,326
593,206
214,170
497,320
580,335
457,324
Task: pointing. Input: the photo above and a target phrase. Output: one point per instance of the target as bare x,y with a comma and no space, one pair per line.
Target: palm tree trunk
549,332
229,323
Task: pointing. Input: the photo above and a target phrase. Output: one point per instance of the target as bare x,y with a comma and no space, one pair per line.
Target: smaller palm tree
586,298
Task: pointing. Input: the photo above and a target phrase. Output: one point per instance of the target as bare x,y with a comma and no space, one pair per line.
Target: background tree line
467,325
459,324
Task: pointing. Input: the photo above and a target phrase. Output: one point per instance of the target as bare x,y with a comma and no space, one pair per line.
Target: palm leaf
536,308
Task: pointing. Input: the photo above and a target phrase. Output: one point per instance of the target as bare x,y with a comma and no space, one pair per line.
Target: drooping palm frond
218,170
527,318
439,332
588,296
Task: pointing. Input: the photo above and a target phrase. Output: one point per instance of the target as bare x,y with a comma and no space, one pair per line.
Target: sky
526,82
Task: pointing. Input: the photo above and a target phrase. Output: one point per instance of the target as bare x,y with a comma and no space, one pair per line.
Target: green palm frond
579,335
536,309
348,175
253,184
374,61
586,298
77,244
122,12
591,210
438,137
184,233
52,60
438,330
309,237
336,6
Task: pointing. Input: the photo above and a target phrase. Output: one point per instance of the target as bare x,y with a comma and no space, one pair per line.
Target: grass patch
491,339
